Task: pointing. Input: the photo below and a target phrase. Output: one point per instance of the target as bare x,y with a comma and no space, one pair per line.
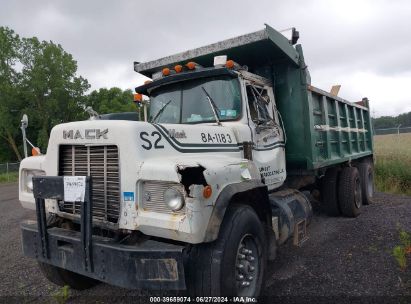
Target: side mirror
35,150
24,121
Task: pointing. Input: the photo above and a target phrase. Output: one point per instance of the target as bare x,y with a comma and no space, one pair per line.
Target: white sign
74,188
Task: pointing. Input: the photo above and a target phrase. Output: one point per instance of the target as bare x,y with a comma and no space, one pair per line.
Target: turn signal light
207,191
147,81
229,64
178,68
191,65
35,151
138,97
166,71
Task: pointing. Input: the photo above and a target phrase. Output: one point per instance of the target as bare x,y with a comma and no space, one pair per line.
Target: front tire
233,265
62,277
349,192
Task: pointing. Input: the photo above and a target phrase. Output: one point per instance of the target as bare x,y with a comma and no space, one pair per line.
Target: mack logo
176,134
88,134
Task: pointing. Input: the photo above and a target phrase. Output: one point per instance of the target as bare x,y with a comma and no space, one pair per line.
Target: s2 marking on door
149,139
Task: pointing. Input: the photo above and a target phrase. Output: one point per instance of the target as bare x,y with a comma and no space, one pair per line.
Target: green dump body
322,129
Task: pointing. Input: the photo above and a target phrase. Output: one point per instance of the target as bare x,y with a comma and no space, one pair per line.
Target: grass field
8,178
393,163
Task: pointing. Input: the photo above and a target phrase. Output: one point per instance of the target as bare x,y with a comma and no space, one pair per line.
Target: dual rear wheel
345,190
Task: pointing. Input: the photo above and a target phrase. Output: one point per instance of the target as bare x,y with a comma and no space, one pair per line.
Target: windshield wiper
213,107
160,111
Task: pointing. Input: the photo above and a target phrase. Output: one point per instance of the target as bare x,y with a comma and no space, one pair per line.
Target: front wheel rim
247,266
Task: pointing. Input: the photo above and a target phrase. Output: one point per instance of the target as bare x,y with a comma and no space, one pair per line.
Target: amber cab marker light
178,68
229,64
138,97
166,71
207,191
191,65
35,151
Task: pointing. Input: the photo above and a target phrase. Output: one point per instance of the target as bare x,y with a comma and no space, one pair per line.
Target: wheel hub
247,266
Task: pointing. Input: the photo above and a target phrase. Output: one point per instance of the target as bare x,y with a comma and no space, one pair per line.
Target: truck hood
147,151
146,140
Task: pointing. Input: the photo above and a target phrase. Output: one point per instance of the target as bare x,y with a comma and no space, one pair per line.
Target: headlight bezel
28,178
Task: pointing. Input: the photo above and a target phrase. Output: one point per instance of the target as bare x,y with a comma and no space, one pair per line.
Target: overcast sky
363,45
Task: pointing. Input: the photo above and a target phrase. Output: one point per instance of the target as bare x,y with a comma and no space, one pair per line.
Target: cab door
267,134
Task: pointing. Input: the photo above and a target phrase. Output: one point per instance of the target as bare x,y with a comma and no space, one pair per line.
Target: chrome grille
153,198
102,164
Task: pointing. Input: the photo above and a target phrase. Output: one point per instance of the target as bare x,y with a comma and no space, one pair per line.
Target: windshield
186,102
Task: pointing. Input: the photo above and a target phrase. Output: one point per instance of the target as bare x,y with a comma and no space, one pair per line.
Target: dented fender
254,187
225,176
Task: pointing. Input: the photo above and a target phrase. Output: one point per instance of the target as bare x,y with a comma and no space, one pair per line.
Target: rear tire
62,277
366,170
329,192
349,192
213,269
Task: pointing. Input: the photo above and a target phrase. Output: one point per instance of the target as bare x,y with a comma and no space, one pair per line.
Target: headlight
29,181
28,178
174,199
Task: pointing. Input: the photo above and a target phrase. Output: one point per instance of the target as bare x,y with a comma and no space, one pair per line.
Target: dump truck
199,195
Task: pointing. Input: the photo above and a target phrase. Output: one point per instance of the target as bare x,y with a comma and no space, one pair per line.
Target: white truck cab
148,157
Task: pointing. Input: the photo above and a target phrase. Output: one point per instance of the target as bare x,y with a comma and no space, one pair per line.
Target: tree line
385,122
39,78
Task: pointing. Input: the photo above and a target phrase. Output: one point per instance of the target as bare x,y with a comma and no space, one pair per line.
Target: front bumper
149,265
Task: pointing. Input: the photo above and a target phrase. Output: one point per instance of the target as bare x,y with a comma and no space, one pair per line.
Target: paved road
344,257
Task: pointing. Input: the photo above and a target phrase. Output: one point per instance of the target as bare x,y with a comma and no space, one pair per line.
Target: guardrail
392,131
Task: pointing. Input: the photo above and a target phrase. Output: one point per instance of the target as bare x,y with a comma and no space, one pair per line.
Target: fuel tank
289,208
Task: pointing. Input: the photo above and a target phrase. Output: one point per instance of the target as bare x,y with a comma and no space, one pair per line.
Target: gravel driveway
343,259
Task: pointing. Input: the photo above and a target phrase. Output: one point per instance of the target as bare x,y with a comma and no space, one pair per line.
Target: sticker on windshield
231,113
194,118
223,112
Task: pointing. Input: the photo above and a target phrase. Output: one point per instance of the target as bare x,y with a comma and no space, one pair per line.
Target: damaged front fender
252,190
209,186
